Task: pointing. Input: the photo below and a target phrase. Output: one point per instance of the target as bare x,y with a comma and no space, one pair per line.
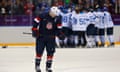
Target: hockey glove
35,32
61,36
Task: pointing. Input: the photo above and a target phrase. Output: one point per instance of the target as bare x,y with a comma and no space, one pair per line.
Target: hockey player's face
52,14
77,10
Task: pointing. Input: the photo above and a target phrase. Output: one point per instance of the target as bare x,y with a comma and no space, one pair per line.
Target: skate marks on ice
66,60
16,59
88,60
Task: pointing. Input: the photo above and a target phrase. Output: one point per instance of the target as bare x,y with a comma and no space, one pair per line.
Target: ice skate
102,45
49,70
38,69
111,45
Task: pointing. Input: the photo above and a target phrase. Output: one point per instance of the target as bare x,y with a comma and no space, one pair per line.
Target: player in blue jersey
46,26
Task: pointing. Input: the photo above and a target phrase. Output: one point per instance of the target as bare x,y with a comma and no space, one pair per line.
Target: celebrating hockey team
86,27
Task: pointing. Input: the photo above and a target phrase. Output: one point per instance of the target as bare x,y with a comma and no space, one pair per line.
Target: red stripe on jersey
49,57
37,19
59,25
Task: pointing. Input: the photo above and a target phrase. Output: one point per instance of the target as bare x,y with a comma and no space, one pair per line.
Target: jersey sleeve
36,21
110,20
59,24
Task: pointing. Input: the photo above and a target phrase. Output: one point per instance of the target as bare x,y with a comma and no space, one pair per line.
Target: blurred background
16,16
27,7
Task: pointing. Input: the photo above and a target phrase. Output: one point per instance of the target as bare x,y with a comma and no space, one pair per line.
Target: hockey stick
27,33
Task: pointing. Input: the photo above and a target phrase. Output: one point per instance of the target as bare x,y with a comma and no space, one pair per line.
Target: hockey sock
49,62
111,38
89,41
65,41
38,60
102,39
96,38
72,43
76,40
37,65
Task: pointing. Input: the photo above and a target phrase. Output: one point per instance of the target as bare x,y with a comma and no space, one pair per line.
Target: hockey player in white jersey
108,26
80,21
91,29
101,27
65,14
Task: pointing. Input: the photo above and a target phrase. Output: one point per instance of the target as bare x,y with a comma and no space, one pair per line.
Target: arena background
13,25
12,30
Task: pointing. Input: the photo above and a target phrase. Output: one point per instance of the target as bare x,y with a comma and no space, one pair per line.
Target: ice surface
21,59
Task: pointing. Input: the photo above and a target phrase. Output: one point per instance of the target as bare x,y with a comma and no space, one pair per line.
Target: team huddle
83,27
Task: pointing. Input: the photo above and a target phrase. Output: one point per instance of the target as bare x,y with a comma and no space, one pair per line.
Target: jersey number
65,19
82,21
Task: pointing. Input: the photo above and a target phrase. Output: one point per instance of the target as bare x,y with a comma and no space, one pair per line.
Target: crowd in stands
33,7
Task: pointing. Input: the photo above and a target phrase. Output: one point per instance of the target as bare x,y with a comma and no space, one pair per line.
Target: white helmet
55,10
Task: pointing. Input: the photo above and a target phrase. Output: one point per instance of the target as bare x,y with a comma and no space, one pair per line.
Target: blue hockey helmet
105,9
65,10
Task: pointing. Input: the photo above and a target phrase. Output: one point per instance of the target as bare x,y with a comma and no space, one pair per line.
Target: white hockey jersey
100,21
93,18
80,21
108,20
66,19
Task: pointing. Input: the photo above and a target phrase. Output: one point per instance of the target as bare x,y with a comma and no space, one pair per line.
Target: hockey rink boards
21,59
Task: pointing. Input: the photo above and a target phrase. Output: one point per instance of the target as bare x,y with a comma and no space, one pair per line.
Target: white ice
21,59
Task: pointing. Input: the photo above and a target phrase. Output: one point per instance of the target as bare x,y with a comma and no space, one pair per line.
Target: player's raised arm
36,22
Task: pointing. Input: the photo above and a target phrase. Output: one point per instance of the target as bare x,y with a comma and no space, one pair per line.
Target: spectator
58,3
18,8
9,6
117,6
110,6
87,3
3,10
42,5
29,8
82,3
67,2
